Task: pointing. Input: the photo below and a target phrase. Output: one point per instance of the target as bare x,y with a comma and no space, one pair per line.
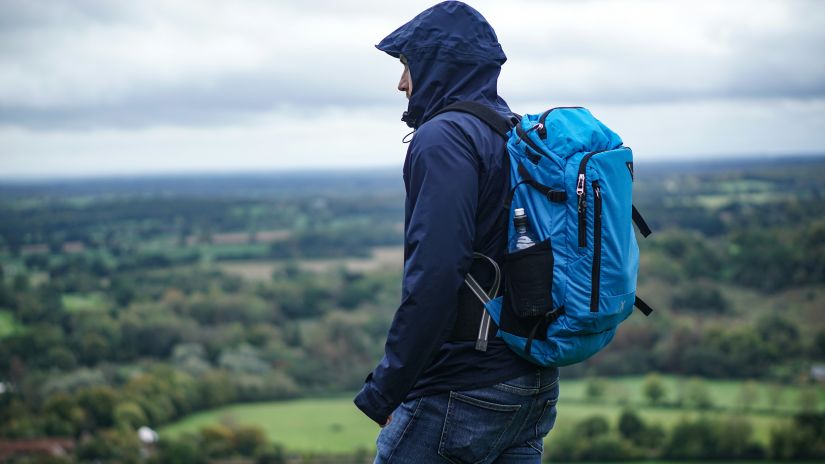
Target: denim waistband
537,381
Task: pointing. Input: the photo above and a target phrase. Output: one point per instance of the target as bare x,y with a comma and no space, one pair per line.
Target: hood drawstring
404,140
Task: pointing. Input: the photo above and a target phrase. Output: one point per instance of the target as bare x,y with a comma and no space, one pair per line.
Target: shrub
654,389
804,440
691,440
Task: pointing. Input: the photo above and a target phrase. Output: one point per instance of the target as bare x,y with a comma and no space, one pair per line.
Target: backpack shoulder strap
492,118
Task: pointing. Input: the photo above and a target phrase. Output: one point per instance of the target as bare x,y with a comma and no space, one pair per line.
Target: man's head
452,53
405,84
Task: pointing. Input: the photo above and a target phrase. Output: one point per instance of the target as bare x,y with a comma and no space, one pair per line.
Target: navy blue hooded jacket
456,183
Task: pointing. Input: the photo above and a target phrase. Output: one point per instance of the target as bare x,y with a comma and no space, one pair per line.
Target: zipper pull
580,185
597,190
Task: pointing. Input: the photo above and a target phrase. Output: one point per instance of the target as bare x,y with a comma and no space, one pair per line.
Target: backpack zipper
582,202
597,247
543,129
582,195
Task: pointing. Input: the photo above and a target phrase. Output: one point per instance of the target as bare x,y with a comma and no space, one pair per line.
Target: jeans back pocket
474,428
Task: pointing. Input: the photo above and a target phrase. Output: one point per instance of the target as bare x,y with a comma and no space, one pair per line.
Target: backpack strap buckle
557,196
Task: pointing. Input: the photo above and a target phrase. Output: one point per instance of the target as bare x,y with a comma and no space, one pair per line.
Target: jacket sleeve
442,198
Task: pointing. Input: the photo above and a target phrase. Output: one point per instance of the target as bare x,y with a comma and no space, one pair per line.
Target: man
436,397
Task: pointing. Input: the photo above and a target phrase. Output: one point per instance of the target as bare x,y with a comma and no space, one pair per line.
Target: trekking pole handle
484,297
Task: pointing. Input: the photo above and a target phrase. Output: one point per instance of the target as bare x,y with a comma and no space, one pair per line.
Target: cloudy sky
97,87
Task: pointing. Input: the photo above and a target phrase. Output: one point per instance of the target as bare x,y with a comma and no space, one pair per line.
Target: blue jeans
504,424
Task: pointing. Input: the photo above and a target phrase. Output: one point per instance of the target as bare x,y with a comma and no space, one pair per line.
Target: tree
20,283
63,415
804,440
130,414
703,297
654,389
592,427
248,440
185,448
217,388
697,395
736,440
93,348
595,388
692,440
8,299
99,404
271,453
111,445
61,358
218,440
243,359
780,337
632,427
819,345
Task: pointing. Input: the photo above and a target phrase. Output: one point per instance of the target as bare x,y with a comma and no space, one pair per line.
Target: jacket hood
453,54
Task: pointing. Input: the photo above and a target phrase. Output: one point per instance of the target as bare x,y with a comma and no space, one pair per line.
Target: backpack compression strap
558,196
644,229
643,307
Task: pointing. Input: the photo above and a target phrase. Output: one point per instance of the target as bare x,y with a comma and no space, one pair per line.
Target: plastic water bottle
524,236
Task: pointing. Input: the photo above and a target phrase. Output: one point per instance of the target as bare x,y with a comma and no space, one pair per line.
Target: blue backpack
564,297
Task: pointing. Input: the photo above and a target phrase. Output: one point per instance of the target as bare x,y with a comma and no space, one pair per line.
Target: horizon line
302,170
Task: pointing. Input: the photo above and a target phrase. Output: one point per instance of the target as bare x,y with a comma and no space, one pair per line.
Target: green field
335,425
770,399
328,424
8,325
84,301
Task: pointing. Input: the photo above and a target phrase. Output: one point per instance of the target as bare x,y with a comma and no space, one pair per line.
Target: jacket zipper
597,247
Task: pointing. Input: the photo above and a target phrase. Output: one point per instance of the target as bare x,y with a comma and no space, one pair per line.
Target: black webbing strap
556,196
643,307
538,153
644,229
497,122
548,318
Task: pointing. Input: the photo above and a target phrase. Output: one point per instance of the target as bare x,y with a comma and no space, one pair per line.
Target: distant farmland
388,257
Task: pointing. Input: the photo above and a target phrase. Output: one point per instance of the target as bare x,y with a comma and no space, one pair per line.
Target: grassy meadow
334,424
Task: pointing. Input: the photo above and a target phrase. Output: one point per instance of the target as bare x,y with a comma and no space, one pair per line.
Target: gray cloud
224,100
83,65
